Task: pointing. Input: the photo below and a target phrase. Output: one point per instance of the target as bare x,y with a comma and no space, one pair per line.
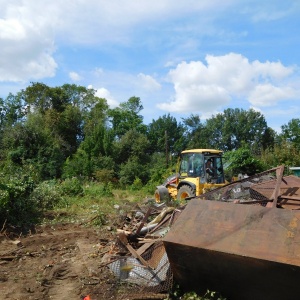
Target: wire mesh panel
155,278
249,190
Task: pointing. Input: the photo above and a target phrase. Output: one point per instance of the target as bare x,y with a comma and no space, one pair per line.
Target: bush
104,175
131,170
242,161
71,187
16,206
137,184
46,195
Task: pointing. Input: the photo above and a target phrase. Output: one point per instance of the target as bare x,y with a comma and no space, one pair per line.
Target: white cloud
26,39
75,76
111,20
267,95
104,93
30,30
208,87
148,82
11,29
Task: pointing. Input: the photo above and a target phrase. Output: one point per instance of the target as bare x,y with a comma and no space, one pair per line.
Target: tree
126,117
53,127
37,97
196,133
291,132
98,137
166,135
133,170
81,97
132,154
283,153
234,127
12,110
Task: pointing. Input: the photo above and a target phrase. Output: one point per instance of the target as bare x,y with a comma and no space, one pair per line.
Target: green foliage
166,134
16,207
196,135
126,117
46,195
77,165
98,190
132,144
67,132
160,170
131,170
291,133
285,153
231,129
242,161
11,111
137,184
100,219
104,175
71,187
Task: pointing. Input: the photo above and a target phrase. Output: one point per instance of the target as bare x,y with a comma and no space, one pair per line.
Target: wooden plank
124,241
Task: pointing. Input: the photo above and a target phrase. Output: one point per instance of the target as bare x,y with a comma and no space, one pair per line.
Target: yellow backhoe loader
198,171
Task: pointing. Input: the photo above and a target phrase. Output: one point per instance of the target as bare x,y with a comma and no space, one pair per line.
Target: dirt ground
61,261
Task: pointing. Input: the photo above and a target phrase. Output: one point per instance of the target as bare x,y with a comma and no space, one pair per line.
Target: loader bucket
242,251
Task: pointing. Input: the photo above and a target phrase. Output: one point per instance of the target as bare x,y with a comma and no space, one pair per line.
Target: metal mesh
146,266
246,190
155,278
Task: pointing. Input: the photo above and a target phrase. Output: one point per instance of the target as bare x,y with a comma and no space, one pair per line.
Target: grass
97,202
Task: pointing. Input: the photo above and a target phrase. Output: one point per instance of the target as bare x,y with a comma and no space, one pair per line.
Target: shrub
16,207
104,175
46,195
137,184
71,187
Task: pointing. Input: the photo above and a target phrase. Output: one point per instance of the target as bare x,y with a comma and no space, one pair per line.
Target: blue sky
180,57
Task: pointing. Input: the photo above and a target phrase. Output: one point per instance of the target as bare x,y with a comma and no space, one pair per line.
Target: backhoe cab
199,170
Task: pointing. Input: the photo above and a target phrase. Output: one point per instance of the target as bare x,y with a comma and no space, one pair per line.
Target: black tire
161,195
185,192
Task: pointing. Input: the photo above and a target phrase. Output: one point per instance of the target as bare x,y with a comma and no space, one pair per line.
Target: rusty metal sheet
289,187
242,251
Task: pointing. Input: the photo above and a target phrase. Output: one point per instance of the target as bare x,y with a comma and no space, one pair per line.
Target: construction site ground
60,261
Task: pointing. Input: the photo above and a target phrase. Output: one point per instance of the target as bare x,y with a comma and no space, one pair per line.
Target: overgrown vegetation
63,147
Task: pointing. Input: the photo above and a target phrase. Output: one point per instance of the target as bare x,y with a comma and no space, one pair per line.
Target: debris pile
138,256
214,236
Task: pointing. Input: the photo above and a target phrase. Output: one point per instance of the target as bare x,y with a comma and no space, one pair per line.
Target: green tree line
60,133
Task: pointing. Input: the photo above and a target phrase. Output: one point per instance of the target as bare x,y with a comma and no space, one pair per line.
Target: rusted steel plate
243,251
289,186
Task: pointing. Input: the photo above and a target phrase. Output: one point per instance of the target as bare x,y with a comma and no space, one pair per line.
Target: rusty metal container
242,251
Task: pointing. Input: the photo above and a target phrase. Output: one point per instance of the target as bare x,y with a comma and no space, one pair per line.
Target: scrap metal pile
214,236
242,240
269,188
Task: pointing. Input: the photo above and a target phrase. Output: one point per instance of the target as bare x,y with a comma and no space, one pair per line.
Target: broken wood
124,241
143,221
